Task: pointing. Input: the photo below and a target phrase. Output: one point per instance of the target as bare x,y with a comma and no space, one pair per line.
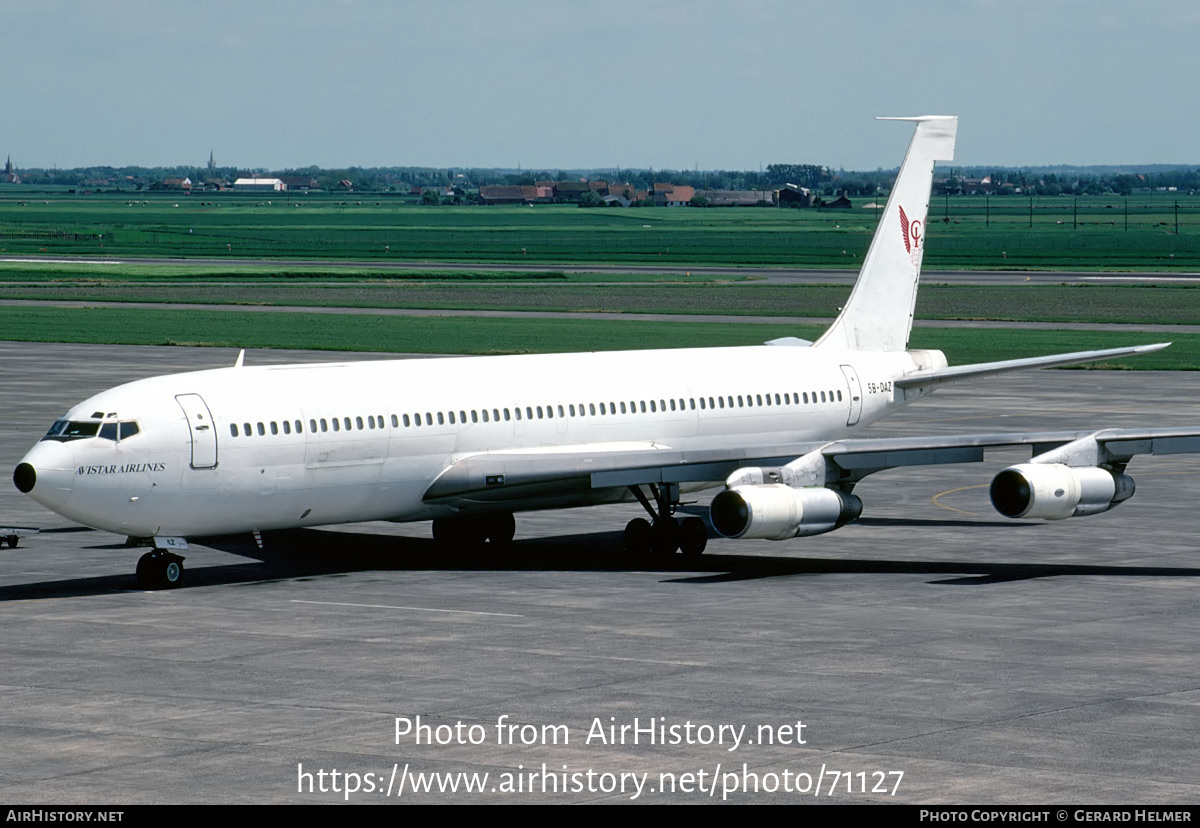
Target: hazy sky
549,84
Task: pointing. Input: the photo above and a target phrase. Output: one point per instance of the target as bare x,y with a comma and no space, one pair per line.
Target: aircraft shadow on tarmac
313,553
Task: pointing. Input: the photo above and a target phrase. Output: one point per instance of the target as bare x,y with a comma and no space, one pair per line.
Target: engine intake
778,512
1055,491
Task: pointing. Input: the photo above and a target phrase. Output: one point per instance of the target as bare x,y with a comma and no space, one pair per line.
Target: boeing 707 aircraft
468,442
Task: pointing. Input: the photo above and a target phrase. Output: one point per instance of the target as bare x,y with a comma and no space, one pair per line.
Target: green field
1158,231
469,335
1147,233
1141,304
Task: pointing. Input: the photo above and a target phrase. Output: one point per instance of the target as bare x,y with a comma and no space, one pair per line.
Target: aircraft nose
25,477
45,474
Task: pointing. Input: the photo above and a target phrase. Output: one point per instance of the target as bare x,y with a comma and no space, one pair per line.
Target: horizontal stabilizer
984,369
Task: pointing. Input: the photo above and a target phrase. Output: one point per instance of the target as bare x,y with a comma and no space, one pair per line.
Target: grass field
466,335
1142,304
1143,232
963,233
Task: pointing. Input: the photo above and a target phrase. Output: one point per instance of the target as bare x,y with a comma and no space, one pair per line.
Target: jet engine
1055,491
777,512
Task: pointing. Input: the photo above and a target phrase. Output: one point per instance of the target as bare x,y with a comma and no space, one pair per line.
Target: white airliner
466,442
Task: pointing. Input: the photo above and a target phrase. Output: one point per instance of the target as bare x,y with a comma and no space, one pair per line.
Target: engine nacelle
1055,491
777,512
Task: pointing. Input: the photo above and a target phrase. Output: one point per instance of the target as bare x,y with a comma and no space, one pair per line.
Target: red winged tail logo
911,231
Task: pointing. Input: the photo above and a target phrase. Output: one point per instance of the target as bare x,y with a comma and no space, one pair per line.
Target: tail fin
879,313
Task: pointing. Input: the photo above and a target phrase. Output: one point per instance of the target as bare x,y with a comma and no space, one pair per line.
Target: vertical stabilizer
878,316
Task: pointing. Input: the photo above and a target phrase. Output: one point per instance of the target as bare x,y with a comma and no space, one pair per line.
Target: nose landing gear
160,569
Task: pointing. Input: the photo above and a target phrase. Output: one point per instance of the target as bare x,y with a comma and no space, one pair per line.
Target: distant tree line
821,180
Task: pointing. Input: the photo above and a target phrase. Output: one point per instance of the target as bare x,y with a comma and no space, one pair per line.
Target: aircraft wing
987,369
514,475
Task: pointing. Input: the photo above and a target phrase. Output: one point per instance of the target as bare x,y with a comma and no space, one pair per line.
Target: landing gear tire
638,538
469,534
693,537
666,537
12,541
501,529
160,569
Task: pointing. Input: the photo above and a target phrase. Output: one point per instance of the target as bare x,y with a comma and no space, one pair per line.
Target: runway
933,651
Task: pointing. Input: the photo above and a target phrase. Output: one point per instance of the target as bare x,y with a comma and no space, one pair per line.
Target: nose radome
46,474
25,477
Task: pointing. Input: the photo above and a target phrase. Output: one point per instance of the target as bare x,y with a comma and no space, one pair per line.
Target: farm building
259,184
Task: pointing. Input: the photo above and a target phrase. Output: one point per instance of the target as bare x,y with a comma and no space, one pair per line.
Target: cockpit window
64,431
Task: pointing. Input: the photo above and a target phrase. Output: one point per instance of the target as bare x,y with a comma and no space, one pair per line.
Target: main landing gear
663,534
469,533
160,569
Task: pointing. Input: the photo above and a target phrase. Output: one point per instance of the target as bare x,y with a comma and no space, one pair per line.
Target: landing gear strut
663,534
160,569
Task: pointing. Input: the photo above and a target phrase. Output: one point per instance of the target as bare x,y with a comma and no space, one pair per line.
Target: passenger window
396,421
233,429
441,418
528,412
299,427
506,415
358,422
287,427
539,411
451,418
485,415
325,425
274,427
654,406
337,426
474,416
560,411
246,429
312,426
